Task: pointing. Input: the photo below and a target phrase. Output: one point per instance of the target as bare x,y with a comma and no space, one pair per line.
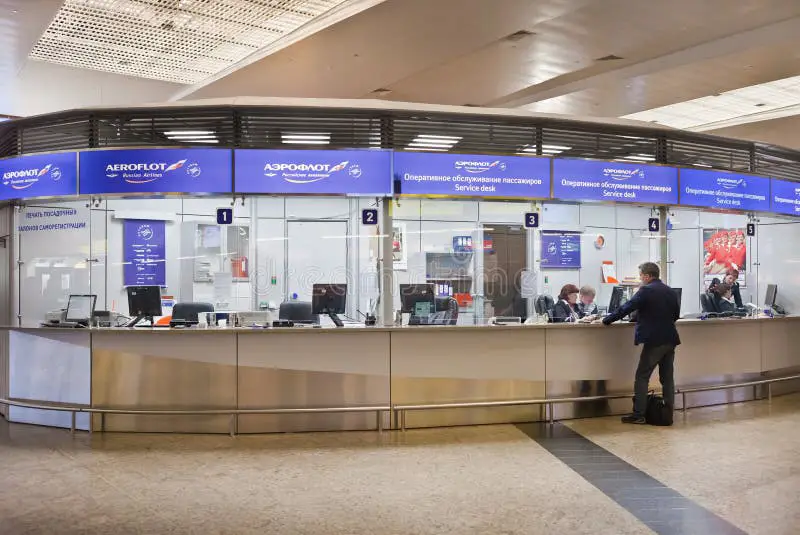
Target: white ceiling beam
318,24
767,35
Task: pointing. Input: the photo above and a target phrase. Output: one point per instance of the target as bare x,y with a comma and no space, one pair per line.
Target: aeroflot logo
476,166
308,173
731,183
615,173
144,172
25,178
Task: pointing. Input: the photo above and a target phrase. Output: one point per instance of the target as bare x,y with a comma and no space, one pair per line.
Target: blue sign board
417,173
144,253
328,172
561,250
592,180
39,175
729,191
785,198
156,171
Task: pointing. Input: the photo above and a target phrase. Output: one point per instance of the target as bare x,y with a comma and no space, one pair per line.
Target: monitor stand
135,321
335,319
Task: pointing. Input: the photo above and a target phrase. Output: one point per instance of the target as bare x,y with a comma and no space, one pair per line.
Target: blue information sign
561,250
418,173
785,197
156,171
718,189
39,175
144,253
591,180
332,172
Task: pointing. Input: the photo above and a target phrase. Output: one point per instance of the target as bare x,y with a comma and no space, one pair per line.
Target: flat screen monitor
328,298
616,299
417,299
678,294
144,302
80,308
772,295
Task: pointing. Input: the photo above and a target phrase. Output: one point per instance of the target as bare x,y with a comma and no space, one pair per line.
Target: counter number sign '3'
532,220
224,216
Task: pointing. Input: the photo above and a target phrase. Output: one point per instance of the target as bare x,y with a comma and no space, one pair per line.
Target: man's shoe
633,419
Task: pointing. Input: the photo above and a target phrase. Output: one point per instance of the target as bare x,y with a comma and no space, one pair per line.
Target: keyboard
63,325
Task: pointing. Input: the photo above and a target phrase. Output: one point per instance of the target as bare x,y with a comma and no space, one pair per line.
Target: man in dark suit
657,309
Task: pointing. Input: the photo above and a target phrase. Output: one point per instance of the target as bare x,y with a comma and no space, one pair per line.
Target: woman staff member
731,278
566,309
724,297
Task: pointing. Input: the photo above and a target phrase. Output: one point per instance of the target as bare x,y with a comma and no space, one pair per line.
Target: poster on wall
399,250
144,253
724,249
561,250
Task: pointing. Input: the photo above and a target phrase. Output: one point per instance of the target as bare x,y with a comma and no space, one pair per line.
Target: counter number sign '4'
653,224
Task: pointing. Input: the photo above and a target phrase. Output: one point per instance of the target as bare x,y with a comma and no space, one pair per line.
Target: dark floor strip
661,508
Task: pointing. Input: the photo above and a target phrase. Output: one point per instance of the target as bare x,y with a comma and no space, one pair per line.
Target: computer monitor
419,300
772,295
678,294
329,299
144,302
616,299
80,308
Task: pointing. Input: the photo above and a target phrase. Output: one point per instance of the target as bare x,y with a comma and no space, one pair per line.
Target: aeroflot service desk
292,368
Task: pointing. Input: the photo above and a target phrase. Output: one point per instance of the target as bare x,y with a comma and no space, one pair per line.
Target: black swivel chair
186,313
296,311
544,305
449,306
707,303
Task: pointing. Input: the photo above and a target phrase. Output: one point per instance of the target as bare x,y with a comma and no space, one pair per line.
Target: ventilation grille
325,128
182,41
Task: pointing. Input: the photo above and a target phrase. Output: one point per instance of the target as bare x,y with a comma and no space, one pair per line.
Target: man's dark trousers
662,356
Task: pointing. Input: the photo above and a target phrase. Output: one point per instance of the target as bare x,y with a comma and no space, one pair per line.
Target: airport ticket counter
251,208
358,367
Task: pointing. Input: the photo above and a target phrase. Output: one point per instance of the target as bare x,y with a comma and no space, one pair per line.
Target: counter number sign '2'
369,216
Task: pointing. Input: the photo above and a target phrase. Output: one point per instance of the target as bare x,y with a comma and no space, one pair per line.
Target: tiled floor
739,463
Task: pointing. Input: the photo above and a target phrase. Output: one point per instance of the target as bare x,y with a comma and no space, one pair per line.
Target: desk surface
362,328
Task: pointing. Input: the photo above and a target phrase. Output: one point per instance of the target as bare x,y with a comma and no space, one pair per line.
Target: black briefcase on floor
658,412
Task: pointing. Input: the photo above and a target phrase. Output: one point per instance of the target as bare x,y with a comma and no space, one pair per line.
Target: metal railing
74,410
397,411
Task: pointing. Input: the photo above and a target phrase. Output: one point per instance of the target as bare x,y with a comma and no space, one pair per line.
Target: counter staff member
658,310
731,278
586,304
566,310
724,296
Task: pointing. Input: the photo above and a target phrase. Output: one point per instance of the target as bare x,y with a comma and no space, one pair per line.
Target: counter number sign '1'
224,216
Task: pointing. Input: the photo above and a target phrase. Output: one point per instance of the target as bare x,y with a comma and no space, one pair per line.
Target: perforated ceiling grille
182,41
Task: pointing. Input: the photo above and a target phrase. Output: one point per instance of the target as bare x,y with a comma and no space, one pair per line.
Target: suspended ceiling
697,65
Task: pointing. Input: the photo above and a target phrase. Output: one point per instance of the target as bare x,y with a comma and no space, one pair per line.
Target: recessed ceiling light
433,142
381,92
306,138
610,57
518,36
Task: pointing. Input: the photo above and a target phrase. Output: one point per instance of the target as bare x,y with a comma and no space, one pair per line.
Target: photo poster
724,249
144,253
399,247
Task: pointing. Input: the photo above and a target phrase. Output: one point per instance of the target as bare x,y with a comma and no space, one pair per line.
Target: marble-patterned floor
737,464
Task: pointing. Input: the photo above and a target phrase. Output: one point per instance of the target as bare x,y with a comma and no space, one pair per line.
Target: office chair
544,305
708,303
186,313
449,307
297,311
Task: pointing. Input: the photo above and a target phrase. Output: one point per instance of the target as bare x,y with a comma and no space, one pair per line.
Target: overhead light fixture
640,158
546,149
306,138
192,136
433,142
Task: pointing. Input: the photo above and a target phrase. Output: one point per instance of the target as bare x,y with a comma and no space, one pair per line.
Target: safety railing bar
506,403
209,412
737,385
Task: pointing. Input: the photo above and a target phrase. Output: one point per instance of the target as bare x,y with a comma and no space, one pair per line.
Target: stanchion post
72,423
